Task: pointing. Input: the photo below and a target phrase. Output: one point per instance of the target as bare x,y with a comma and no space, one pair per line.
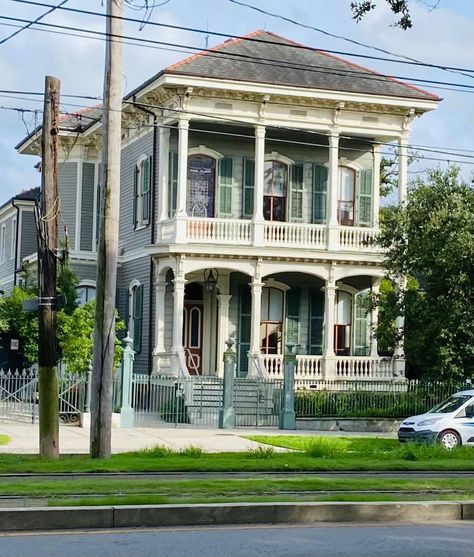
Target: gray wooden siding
7,264
29,244
87,206
131,239
85,271
137,270
67,194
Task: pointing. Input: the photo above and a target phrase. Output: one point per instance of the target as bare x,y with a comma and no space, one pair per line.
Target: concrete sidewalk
75,440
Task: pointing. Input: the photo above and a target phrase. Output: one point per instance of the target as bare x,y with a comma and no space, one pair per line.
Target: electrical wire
51,10
407,60
360,73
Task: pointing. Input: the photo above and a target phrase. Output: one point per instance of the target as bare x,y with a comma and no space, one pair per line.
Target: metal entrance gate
163,401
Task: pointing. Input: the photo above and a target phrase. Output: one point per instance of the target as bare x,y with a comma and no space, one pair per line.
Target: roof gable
264,57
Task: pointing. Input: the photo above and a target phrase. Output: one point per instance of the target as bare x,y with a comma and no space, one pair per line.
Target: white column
183,133
402,168
329,316
163,173
256,290
258,184
223,301
374,318
160,292
333,187
376,186
178,309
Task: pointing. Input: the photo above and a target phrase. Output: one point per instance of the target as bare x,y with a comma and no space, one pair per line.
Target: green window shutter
146,184
320,193
296,193
172,183
361,325
245,324
135,194
249,186
226,177
98,220
316,322
365,188
137,318
293,299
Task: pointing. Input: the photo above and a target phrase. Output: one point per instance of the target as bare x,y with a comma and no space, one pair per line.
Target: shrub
193,451
261,451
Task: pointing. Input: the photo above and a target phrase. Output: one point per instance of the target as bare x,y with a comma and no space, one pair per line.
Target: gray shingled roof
277,60
31,194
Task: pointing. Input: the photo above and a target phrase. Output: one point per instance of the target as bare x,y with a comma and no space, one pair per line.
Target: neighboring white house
249,199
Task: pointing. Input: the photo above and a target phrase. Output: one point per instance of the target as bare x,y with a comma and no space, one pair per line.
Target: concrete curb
60,518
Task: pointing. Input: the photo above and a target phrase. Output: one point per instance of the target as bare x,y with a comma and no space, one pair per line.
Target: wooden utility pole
47,263
104,332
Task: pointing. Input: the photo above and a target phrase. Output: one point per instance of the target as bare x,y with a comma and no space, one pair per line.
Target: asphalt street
328,540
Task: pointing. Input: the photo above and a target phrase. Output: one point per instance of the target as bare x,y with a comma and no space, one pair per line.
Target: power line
15,33
353,41
281,128
362,74
407,60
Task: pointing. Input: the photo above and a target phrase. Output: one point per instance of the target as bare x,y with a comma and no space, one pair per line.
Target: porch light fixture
210,279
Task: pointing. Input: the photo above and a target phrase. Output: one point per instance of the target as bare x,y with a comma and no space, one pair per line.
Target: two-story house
249,201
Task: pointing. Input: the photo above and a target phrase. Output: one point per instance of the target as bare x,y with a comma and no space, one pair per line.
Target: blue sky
441,36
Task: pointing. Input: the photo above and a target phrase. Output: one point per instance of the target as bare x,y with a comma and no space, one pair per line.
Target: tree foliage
431,240
75,324
399,7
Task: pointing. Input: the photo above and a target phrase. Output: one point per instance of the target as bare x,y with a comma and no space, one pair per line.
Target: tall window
3,244
201,186
271,326
346,196
13,236
342,326
141,192
135,314
275,190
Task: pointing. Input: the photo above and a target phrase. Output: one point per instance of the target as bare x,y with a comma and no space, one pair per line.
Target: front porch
325,316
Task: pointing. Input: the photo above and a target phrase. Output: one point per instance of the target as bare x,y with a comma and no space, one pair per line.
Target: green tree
431,240
399,7
75,324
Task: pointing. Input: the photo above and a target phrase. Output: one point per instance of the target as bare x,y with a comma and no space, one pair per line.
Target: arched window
346,196
271,326
201,186
85,293
135,313
141,192
275,190
342,323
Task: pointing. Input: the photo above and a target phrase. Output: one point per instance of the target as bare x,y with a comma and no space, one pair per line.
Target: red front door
192,336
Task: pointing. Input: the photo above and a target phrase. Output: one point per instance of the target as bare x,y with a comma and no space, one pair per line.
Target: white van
451,423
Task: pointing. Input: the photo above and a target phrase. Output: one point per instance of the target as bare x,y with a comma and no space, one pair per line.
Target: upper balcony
239,232
314,193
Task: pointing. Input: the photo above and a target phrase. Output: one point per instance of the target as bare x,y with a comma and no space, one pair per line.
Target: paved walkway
75,440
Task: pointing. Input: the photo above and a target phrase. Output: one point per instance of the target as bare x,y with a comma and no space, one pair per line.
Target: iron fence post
127,414
287,416
227,410
87,403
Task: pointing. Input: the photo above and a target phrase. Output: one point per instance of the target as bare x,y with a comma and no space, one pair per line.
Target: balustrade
359,239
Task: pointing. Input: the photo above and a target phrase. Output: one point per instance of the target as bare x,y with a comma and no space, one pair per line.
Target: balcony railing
295,235
269,233
347,367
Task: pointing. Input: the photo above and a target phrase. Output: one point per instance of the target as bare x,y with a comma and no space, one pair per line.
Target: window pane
343,308
265,312
346,184
279,178
268,178
276,305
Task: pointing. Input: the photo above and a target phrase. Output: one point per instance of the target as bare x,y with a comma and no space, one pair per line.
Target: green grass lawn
119,491
311,453
4,439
